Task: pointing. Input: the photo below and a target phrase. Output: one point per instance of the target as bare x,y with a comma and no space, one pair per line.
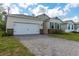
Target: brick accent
52,31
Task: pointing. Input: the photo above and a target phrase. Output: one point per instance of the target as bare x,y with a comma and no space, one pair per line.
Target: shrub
4,34
8,33
55,31
75,32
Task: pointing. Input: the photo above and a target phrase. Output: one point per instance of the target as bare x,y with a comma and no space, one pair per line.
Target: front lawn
69,36
11,46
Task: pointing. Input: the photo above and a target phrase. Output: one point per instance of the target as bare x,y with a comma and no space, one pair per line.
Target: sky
65,11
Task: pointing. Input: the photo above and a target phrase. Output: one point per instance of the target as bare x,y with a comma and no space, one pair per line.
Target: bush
10,32
75,32
55,31
1,33
6,34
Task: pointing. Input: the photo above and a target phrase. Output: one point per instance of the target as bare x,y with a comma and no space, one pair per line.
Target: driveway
43,45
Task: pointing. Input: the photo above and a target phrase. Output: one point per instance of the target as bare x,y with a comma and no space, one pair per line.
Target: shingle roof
68,21
26,16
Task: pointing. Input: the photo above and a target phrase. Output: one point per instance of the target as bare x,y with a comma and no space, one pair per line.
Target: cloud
68,7
25,5
25,13
13,10
75,19
6,4
55,12
40,9
74,5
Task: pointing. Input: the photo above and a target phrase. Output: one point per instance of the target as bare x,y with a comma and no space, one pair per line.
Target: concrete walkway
42,45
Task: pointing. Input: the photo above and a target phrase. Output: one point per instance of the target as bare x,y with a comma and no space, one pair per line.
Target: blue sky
62,10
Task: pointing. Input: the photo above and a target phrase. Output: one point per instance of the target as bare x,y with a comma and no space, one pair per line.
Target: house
20,24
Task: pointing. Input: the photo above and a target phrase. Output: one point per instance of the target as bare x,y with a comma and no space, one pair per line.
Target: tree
2,13
1,7
1,22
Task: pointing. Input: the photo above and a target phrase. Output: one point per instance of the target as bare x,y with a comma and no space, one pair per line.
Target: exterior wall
11,21
54,21
63,27
77,27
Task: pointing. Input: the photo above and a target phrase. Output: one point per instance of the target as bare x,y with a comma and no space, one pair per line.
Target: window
51,25
72,27
56,26
68,26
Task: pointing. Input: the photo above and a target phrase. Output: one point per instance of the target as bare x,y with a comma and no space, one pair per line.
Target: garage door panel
20,29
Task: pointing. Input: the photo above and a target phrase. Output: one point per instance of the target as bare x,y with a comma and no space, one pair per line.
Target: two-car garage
26,28
19,24
23,25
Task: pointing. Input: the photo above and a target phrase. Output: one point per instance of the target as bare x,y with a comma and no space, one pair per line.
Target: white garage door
21,29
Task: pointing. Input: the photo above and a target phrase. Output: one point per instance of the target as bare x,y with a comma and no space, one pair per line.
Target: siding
11,21
63,27
54,21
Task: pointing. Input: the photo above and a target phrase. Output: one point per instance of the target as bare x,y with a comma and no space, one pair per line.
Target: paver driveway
43,45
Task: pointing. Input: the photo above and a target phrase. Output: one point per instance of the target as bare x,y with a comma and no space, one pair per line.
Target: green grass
10,46
69,36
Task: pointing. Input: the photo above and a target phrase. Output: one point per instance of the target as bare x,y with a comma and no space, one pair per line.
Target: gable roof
77,23
57,18
43,16
27,17
68,21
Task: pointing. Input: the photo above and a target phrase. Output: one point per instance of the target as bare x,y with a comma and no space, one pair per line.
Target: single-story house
21,24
